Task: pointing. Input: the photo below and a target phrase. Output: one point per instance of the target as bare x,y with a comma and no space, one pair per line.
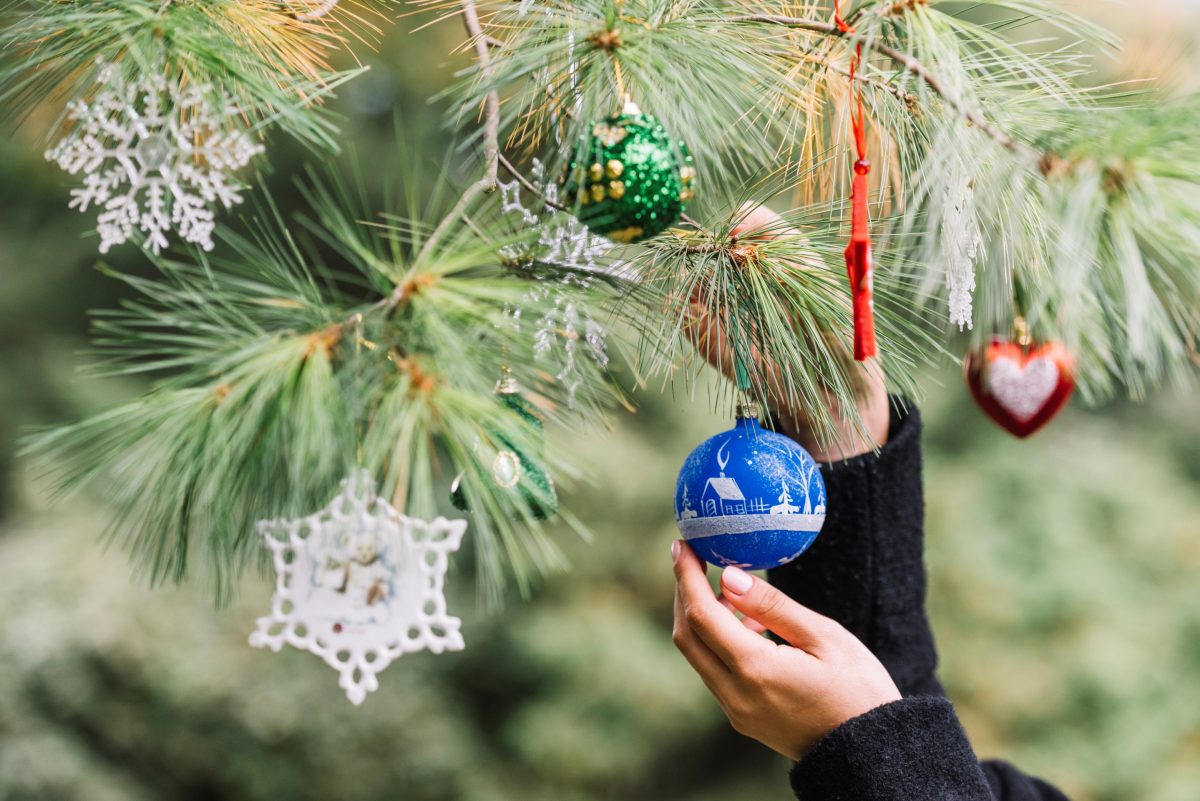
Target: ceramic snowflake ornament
155,157
360,585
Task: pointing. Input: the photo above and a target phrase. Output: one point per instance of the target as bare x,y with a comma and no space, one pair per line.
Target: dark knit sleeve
1009,784
866,568
909,750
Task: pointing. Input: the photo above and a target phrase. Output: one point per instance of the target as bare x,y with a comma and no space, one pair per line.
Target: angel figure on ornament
355,569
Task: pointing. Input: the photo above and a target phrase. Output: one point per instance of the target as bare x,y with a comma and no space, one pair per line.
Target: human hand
785,696
708,335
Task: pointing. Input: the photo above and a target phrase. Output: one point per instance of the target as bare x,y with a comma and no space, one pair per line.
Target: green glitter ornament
630,180
512,469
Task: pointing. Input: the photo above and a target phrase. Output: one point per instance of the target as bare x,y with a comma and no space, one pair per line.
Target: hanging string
858,252
739,350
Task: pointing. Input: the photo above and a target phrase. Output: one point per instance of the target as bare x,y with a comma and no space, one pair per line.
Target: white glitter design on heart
1022,391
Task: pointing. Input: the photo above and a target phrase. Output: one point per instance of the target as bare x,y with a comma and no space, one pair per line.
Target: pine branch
774,300
909,100
581,75
301,350
581,80
909,63
275,377
279,75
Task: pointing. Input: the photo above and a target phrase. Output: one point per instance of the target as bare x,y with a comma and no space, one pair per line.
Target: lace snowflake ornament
155,156
565,242
360,585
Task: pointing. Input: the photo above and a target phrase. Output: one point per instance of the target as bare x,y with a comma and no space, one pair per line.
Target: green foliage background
1063,581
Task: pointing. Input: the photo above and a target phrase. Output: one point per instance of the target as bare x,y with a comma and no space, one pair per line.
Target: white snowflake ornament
155,156
360,585
565,242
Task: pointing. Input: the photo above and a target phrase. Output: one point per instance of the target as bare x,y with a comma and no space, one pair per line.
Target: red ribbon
858,252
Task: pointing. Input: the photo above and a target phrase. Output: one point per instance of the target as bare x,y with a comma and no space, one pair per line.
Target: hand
708,336
785,696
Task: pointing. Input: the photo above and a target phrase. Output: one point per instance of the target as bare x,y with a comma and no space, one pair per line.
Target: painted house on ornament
722,496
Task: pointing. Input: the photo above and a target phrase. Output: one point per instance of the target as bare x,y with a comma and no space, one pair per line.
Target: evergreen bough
366,334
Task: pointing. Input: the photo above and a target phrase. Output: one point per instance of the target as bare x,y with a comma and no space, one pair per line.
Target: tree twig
492,103
491,131
529,185
909,100
912,65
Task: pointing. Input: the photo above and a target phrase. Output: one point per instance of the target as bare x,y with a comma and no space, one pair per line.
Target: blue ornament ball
749,497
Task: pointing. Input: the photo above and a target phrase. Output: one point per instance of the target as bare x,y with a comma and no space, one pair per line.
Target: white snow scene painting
753,485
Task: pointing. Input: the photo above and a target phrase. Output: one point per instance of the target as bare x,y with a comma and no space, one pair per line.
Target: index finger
716,626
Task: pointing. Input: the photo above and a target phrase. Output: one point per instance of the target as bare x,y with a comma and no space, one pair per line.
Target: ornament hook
1021,331
747,409
507,383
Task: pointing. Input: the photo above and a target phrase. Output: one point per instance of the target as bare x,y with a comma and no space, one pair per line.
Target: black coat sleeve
866,570
909,750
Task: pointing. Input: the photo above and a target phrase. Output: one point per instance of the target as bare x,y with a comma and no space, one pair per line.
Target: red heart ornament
1021,387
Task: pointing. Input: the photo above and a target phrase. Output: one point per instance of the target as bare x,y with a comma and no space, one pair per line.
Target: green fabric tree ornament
630,180
513,468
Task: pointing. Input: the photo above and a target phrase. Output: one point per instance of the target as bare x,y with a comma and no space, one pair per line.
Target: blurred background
1064,571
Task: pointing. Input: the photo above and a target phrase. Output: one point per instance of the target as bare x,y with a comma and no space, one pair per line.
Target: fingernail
675,551
736,580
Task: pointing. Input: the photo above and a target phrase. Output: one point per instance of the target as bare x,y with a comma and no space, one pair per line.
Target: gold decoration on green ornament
630,178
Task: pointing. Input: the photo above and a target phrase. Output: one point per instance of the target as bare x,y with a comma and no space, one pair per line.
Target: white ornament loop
360,585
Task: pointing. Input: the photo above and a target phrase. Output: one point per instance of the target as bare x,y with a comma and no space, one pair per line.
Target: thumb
756,599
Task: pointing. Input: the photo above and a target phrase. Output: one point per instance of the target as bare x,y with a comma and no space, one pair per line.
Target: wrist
874,689
849,439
